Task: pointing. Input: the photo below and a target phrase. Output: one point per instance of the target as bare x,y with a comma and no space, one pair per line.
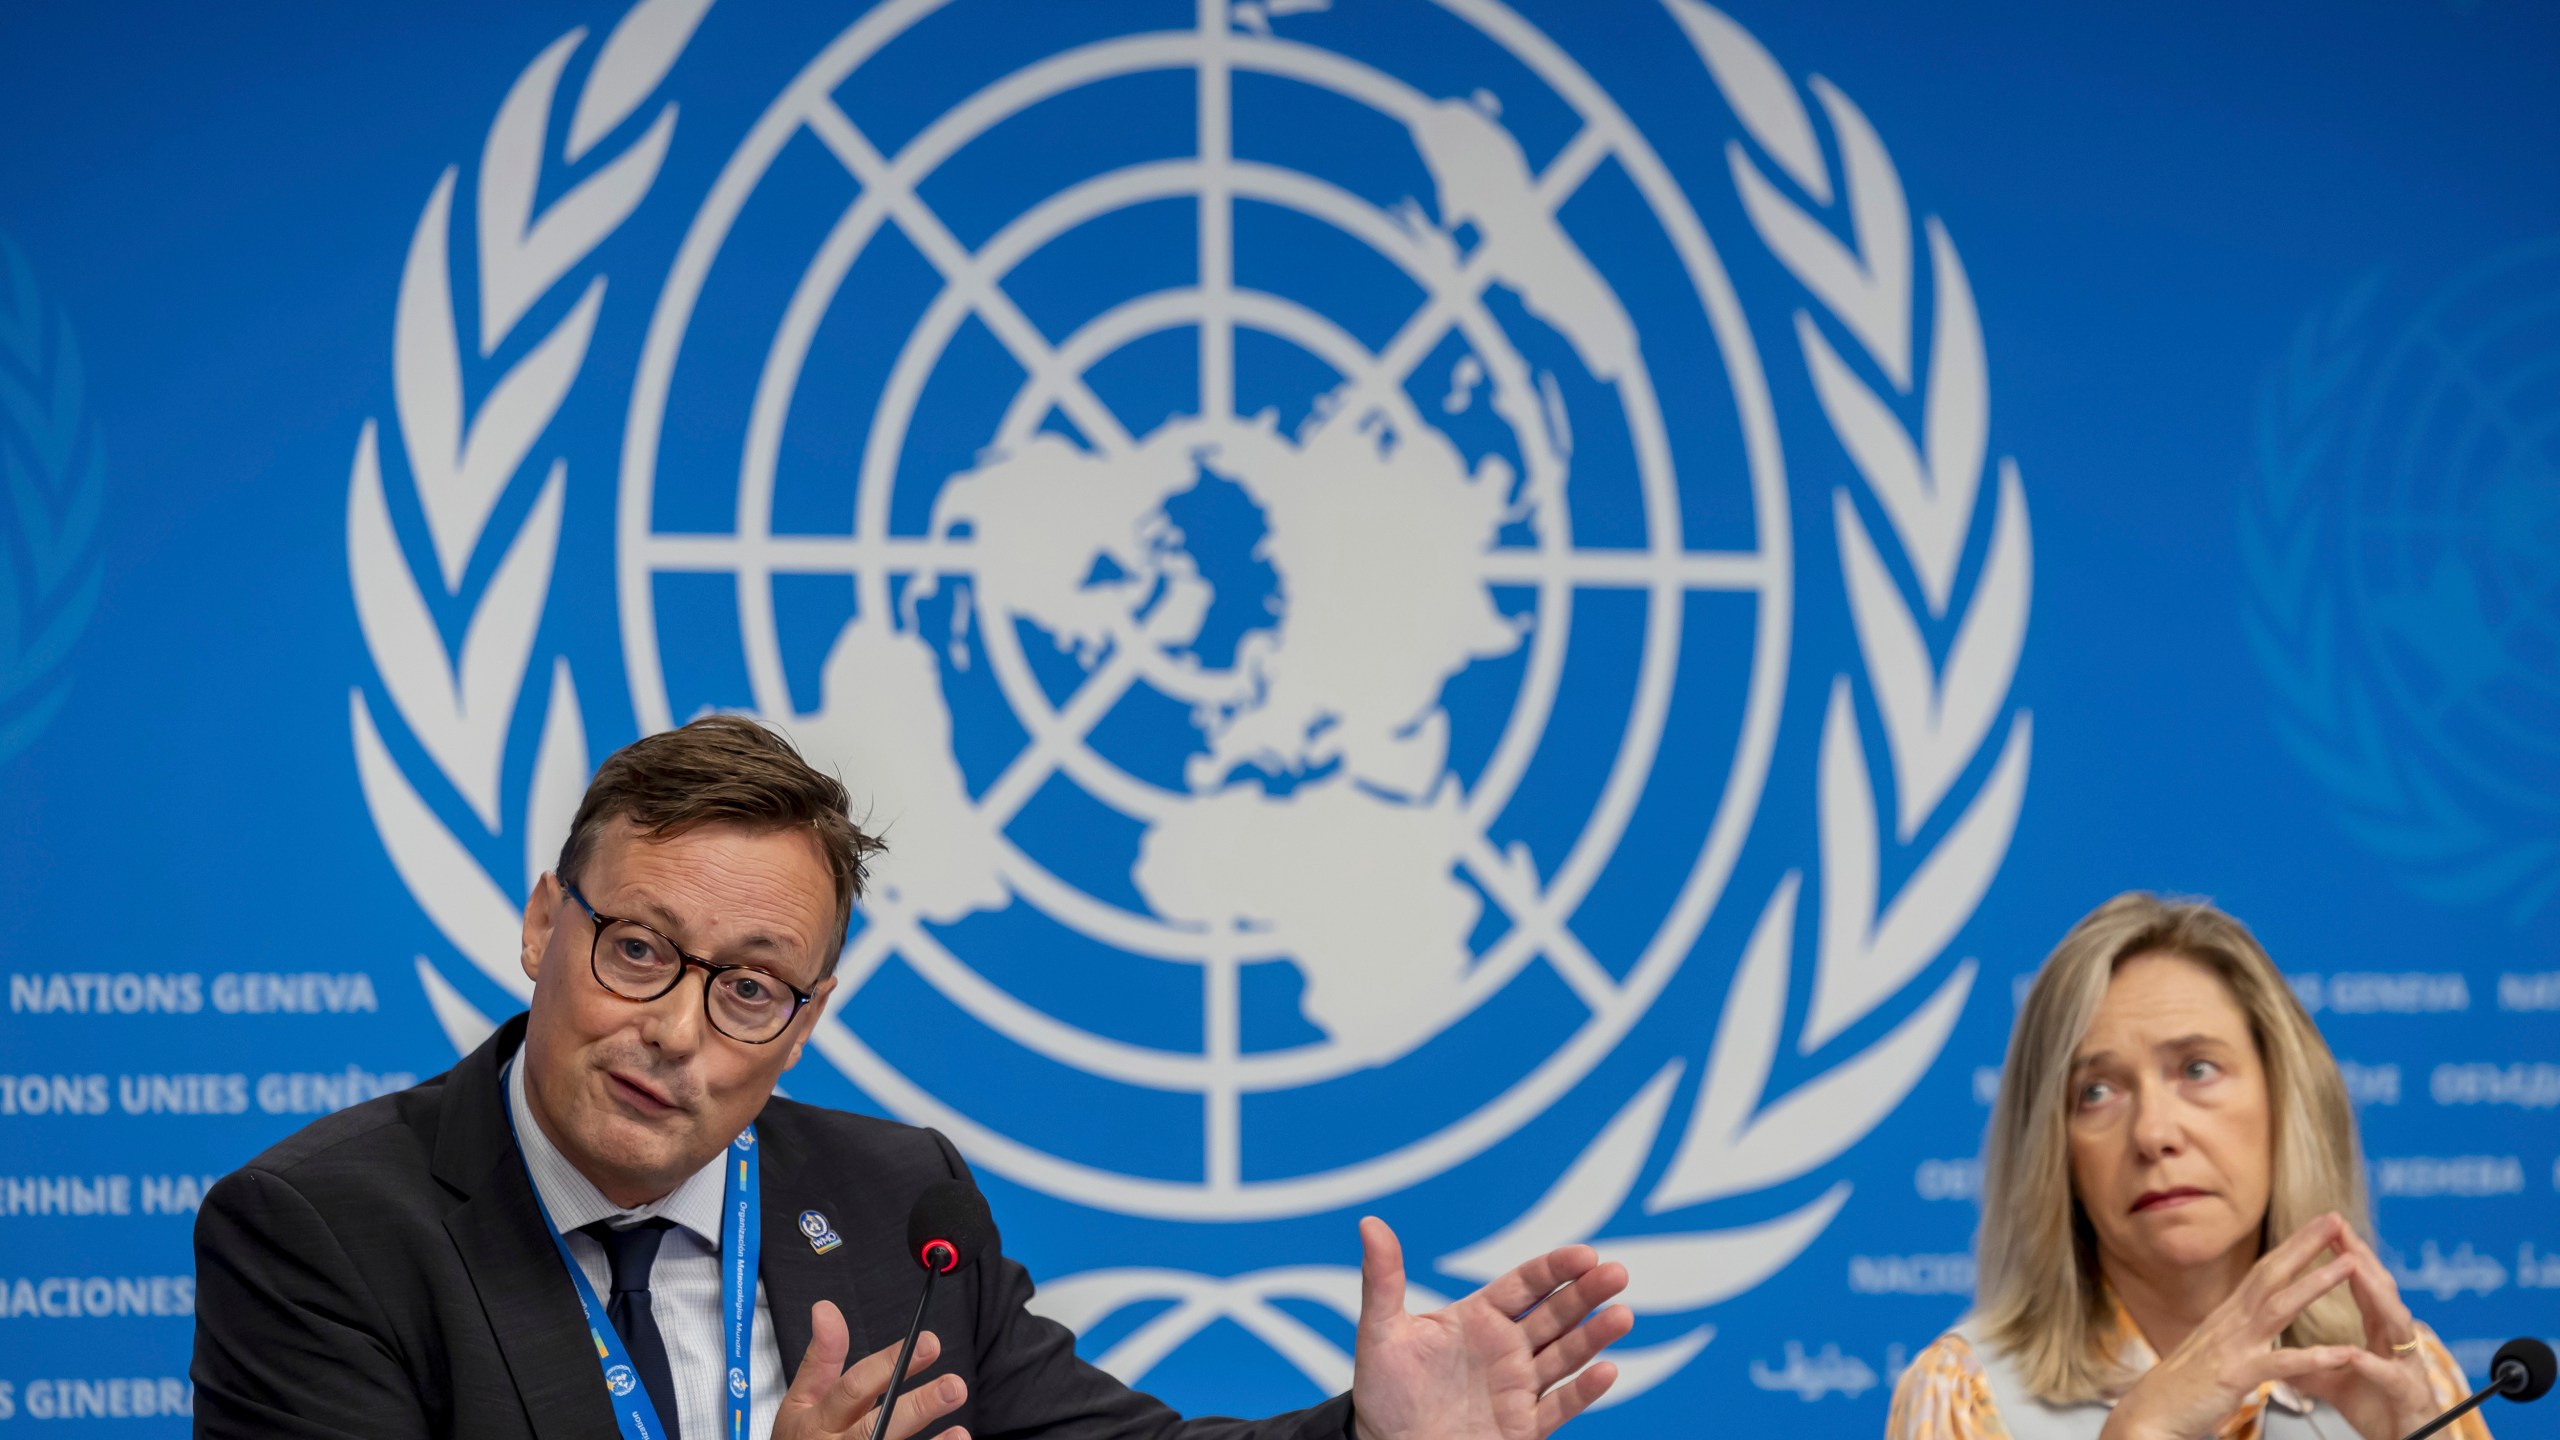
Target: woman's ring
2406,1347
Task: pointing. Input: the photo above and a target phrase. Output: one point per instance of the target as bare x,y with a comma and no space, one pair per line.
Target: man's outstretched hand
1486,1367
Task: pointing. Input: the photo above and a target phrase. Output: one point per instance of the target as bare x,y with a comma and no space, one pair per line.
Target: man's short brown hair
724,770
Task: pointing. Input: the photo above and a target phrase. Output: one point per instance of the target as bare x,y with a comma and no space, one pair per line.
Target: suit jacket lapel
531,1306
796,1276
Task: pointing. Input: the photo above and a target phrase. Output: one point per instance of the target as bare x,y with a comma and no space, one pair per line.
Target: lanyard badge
740,1237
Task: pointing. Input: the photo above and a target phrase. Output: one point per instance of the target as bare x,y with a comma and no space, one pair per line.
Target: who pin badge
822,1236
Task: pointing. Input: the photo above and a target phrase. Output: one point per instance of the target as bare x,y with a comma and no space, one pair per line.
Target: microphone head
2524,1369
949,1227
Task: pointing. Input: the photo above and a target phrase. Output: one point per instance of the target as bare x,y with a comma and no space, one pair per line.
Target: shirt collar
2137,1357
573,1200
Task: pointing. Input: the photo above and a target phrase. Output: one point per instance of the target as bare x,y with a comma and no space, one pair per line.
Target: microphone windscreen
2539,1367
953,1213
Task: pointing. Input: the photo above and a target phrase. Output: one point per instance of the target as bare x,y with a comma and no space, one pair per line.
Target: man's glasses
637,963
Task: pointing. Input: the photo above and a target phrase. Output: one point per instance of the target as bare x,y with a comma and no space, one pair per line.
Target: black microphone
949,1228
2522,1370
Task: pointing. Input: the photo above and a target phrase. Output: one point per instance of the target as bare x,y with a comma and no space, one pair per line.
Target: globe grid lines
968,281
1055,744
2383,482
972,284
1589,568
1214,146
1060,368
1665,572
1052,369
887,191
2489,409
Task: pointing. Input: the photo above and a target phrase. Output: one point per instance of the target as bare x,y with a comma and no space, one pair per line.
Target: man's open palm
1486,1367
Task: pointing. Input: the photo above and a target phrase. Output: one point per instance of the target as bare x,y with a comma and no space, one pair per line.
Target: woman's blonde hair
2041,1300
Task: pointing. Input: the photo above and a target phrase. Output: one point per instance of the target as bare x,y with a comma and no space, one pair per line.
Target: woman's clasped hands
2380,1387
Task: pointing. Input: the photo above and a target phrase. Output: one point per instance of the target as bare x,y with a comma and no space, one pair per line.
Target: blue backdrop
1526,620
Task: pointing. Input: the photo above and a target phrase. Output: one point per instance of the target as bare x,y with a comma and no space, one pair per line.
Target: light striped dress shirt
684,1284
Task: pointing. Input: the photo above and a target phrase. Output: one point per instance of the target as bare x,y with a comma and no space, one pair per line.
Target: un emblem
1306,577
2401,542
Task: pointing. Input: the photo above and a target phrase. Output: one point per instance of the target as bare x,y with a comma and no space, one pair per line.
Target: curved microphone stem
2499,1383
906,1352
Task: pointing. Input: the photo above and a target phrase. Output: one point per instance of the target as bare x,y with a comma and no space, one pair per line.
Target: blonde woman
2174,1240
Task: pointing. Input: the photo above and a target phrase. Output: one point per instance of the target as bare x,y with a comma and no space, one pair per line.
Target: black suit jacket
385,1273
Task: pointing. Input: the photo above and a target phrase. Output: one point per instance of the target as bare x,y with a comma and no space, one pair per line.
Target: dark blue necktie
631,1252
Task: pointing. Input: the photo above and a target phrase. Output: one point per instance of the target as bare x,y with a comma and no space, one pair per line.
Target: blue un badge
621,1380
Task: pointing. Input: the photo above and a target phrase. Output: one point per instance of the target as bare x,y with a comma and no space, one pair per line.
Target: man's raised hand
1487,1367
829,1401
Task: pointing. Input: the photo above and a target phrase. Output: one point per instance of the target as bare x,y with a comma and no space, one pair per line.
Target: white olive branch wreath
53,471
458,703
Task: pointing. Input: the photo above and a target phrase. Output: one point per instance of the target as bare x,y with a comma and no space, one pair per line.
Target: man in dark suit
437,1262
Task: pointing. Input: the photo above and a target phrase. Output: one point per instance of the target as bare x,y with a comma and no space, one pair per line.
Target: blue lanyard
740,1238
